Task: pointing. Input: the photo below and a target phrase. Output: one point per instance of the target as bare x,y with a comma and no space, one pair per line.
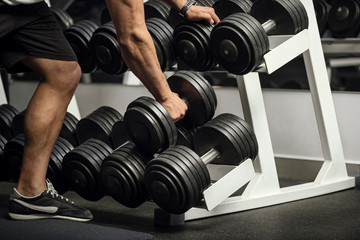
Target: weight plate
225,8
276,10
209,136
144,130
344,17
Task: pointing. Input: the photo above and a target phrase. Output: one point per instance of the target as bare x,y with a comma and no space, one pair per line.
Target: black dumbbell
98,124
105,50
177,177
63,18
224,8
322,9
150,126
344,18
82,168
240,41
162,35
78,36
122,173
157,9
7,114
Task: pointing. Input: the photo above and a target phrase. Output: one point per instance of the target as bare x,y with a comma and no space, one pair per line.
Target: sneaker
49,204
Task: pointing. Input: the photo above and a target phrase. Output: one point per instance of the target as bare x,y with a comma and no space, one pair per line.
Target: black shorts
30,30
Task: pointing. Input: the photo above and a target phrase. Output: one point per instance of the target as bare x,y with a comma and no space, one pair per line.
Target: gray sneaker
49,204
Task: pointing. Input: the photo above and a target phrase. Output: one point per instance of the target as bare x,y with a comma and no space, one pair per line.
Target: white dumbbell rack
263,187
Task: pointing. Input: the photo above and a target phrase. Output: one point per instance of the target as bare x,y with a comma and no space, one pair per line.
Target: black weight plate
10,109
153,10
233,137
253,137
164,43
207,89
198,165
166,123
139,160
167,33
242,138
96,156
208,137
258,33
80,164
111,112
239,20
296,13
101,146
106,52
64,144
102,120
91,127
183,187
225,8
191,165
225,42
344,17
98,149
186,173
118,183
279,12
322,9
144,130
18,123
190,48
184,137
193,94
247,136
13,152
164,188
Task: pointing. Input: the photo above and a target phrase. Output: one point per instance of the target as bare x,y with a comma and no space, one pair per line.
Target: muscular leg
44,117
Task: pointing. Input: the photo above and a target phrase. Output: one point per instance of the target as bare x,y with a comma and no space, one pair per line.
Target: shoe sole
40,216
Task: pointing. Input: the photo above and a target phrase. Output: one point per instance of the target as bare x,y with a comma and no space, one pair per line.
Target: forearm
137,47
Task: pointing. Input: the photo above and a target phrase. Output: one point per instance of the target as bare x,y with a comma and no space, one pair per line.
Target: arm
138,51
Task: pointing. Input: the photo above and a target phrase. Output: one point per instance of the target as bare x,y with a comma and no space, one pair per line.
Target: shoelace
53,191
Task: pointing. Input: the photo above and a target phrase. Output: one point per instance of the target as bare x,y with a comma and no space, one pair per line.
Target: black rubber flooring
332,216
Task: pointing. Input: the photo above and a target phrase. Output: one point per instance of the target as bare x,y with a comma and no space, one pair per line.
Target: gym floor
332,216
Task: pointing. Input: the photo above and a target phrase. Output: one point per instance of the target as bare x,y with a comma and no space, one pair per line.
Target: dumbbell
162,35
157,9
150,126
240,41
63,18
122,174
82,168
322,9
344,18
67,130
177,177
192,39
224,8
105,50
78,36
7,114
98,124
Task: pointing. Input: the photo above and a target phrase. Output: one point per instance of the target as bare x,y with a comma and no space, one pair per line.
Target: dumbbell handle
210,156
269,25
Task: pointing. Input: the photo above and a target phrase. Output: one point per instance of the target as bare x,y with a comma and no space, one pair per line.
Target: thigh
35,33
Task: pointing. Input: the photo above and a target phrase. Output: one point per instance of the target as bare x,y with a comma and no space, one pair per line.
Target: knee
67,76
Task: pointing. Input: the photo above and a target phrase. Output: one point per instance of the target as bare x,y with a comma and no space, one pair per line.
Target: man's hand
175,106
198,13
